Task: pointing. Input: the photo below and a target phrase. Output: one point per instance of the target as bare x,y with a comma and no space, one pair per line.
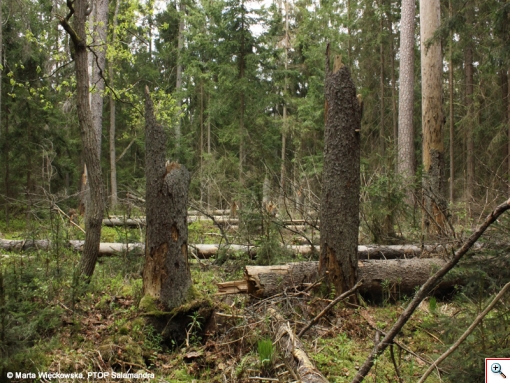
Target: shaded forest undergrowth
49,321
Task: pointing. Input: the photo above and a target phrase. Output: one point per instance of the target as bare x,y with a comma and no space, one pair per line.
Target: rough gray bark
406,154
434,204
166,274
94,212
341,179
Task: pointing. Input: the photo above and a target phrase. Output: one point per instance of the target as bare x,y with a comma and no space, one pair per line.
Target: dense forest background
239,85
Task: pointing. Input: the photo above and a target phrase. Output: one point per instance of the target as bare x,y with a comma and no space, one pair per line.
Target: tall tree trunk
349,31
434,203
201,143
341,179
1,62
470,115
284,126
450,92
178,85
242,64
99,66
208,145
7,180
382,134
94,212
508,123
503,84
394,113
166,274
1,122
406,153
113,160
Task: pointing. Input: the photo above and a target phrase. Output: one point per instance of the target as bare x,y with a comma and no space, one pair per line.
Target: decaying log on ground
140,221
112,248
213,212
210,250
364,252
293,351
127,222
21,245
217,219
397,276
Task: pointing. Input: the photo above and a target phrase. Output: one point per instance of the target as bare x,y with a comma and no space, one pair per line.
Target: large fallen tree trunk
293,351
364,252
105,248
210,250
140,221
391,277
298,224
124,222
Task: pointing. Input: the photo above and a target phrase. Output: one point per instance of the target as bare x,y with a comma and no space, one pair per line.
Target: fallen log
213,212
26,244
140,221
210,250
217,219
111,248
391,277
124,222
293,351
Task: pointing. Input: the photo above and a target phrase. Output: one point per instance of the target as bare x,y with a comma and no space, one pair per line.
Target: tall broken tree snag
341,178
166,274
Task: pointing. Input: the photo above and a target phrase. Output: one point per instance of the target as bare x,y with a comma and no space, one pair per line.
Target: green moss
149,307
195,300
132,348
147,303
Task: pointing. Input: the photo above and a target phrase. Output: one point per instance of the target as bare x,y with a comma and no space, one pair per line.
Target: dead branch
293,351
426,289
470,329
329,307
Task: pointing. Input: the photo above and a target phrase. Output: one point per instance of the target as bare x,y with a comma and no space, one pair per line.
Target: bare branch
425,291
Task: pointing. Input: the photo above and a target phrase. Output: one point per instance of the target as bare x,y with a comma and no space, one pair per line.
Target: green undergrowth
50,321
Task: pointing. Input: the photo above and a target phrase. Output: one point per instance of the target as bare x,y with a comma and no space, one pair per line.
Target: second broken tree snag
341,179
166,273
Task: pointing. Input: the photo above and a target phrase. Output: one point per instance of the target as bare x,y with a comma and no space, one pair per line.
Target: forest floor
47,324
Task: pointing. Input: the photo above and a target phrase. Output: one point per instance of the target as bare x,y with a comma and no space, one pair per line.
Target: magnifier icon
496,368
